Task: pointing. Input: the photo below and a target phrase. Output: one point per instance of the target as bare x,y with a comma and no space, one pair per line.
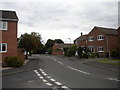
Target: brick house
81,41
57,48
8,34
101,40
119,37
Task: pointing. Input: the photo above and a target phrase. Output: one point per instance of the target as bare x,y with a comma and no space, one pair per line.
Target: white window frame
90,48
1,44
2,23
100,49
90,39
99,37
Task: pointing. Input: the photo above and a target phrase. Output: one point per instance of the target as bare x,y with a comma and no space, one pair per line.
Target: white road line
41,70
60,62
48,77
58,83
39,74
64,87
53,80
78,70
49,84
44,80
113,79
41,77
36,71
45,74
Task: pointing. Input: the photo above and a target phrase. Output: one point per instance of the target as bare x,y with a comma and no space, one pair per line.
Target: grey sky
63,18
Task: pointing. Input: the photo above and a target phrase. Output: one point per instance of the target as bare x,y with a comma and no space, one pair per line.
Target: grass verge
110,61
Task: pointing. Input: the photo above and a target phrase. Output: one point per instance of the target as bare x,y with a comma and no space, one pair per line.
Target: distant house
81,41
8,34
57,48
101,40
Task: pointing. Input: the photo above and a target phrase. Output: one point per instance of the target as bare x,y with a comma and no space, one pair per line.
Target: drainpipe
108,46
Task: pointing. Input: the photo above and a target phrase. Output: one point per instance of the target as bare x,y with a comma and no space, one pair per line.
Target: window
3,47
100,37
3,25
100,49
91,38
91,48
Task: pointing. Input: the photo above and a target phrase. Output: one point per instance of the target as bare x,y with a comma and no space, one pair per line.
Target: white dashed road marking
53,80
44,80
77,70
64,87
49,84
41,77
48,77
58,83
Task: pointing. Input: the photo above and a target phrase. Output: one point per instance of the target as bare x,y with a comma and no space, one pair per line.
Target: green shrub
115,53
65,50
71,51
97,55
93,55
13,61
80,51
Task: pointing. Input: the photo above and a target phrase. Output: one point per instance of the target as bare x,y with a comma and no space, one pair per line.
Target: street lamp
69,39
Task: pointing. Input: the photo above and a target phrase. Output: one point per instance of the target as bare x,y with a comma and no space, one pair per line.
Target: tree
58,41
30,42
49,43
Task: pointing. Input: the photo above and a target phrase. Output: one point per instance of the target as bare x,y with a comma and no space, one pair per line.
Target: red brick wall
56,50
96,43
113,42
119,37
83,43
10,37
55,46
110,42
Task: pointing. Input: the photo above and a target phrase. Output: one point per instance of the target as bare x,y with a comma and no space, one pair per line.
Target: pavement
48,71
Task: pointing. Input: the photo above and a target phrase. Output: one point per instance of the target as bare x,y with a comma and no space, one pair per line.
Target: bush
115,54
93,55
71,51
80,51
13,61
65,50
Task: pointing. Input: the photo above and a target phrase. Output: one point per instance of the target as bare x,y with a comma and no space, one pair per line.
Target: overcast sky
63,19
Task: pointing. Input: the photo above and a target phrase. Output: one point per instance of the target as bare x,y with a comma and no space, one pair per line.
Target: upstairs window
100,37
3,25
90,39
100,49
3,47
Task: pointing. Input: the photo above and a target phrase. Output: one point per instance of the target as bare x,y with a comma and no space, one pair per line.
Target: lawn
110,61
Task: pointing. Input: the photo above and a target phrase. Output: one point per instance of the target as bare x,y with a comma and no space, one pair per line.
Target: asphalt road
45,71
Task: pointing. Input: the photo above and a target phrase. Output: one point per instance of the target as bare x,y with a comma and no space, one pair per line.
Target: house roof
83,37
8,15
61,45
109,31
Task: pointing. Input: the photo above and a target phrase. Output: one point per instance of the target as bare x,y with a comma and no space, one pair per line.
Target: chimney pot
81,33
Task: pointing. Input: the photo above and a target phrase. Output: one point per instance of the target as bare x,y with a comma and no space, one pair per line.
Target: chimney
81,33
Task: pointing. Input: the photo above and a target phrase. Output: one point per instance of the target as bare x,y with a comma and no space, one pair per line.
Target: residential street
48,71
